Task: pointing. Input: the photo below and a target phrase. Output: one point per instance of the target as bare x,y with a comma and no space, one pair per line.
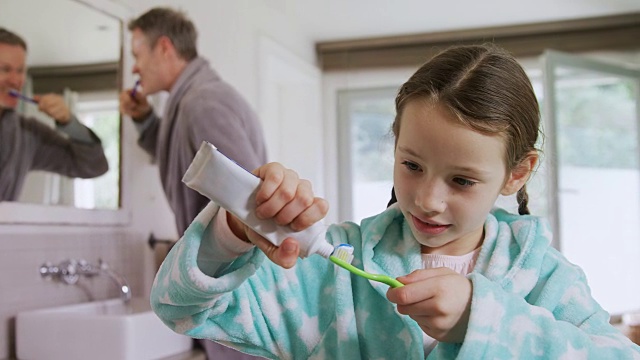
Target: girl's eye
464,182
411,166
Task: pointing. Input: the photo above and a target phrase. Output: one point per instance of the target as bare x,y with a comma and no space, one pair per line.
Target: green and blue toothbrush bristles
343,255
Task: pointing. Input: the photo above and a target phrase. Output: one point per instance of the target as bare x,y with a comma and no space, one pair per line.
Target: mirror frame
21,213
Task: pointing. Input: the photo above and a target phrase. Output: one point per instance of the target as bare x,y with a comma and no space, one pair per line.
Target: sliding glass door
592,157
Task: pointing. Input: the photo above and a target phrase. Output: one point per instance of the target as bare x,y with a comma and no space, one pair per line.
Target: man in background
200,107
27,144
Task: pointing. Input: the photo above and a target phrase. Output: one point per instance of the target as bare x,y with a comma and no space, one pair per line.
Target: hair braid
523,201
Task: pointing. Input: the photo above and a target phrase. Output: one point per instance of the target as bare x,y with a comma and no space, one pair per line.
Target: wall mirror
74,49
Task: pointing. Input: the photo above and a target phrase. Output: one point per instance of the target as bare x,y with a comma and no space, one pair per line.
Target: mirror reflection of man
27,144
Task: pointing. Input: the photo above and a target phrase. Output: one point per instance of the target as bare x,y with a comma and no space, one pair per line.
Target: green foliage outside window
583,141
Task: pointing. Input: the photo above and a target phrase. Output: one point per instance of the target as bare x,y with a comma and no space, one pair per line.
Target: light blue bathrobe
528,300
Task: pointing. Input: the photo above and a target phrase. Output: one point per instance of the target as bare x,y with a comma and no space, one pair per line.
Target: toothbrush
343,255
134,91
17,94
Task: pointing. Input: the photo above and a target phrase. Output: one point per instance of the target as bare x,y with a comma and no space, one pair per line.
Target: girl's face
446,177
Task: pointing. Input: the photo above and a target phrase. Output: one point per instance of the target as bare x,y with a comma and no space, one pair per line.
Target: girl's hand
438,300
289,201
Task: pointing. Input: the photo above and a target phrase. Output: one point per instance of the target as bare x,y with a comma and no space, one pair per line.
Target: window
365,135
593,136
103,117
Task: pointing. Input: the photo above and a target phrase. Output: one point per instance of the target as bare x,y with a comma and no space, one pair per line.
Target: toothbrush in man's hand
17,94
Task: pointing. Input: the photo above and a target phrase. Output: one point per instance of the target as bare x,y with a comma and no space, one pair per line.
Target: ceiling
39,21
325,20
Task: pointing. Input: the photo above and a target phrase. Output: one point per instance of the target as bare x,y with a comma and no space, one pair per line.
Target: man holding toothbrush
27,144
201,107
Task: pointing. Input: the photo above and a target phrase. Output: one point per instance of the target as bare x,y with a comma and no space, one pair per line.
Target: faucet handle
69,271
48,271
86,269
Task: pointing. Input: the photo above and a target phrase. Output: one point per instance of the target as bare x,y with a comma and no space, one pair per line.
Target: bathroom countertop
195,354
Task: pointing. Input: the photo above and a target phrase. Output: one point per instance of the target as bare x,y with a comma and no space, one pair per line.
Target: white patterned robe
528,301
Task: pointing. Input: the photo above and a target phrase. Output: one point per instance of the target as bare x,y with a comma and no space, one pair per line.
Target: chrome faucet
70,271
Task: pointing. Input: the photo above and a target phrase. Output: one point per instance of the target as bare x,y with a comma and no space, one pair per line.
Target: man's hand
136,106
54,106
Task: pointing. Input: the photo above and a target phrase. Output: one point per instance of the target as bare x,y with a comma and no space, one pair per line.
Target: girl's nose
431,197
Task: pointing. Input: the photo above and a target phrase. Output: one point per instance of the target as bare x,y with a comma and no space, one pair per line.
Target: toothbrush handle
375,277
22,97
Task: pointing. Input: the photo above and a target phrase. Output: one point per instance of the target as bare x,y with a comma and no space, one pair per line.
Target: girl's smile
429,227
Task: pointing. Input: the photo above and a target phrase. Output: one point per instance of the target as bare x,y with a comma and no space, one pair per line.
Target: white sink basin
107,330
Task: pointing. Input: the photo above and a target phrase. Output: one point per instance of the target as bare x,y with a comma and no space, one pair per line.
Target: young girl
479,283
